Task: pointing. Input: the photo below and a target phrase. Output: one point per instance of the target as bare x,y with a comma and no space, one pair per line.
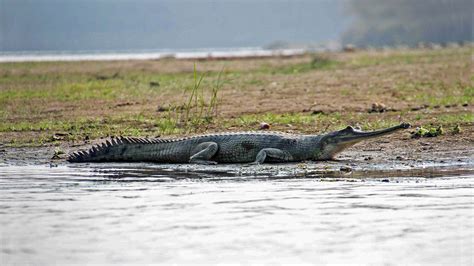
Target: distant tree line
409,22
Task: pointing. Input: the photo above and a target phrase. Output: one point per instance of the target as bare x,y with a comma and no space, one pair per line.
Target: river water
238,52
137,213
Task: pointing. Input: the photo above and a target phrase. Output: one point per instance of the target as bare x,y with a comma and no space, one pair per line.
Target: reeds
200,107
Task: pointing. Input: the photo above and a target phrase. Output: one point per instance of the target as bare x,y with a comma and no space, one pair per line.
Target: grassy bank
57,102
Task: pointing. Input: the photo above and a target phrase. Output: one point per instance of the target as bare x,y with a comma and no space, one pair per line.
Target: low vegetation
59,102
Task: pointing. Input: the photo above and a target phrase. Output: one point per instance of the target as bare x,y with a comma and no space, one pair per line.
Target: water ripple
142,213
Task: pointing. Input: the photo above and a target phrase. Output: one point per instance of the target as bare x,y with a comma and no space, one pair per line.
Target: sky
70,25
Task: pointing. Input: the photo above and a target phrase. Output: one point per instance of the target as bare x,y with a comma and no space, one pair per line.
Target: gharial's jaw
335,142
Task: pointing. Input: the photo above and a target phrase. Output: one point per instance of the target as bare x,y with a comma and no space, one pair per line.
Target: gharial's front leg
204,152
283,156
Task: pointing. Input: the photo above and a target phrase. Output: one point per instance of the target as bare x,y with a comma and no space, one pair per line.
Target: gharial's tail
114,149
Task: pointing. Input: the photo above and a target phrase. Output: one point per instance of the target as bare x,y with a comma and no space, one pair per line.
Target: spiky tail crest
113,149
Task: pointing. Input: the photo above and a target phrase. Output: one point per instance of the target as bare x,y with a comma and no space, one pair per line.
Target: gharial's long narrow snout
335,142
350,134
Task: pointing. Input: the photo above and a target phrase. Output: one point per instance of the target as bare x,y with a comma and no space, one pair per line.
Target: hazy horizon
165,24
104,25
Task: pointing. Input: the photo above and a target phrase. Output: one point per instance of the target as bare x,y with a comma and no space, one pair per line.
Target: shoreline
397,156
202,54
197,54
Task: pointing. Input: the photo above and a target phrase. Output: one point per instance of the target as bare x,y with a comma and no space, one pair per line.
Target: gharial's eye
349,129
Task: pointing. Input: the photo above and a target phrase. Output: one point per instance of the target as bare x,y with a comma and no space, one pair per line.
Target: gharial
239,147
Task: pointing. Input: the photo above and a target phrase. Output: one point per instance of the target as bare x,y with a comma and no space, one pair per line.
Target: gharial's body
241,147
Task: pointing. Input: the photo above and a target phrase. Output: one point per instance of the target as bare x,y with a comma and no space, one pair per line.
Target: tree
408,22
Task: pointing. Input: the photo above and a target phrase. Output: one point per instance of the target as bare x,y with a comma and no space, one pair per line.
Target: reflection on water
143,214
